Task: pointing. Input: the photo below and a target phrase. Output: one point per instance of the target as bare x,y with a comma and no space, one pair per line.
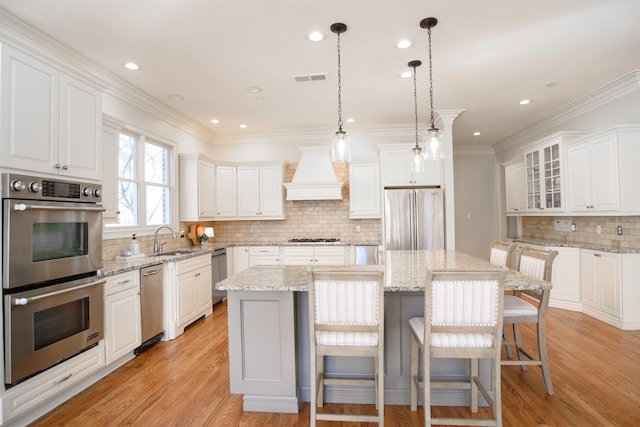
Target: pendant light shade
418,152
340,146
433,138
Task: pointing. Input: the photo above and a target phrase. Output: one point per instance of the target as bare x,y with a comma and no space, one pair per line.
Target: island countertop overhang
405,271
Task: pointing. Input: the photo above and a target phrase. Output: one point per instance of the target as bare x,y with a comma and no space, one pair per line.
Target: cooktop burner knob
18,185
34,187
97,192
86,192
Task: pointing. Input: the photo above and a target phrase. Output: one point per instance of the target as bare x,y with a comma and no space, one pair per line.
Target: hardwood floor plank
595,369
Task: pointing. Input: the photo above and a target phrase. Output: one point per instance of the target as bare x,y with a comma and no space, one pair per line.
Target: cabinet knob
65,167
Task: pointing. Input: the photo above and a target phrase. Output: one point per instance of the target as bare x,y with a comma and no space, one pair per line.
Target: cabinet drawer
122,282
264,250
191,264
329,251
306,251
35,391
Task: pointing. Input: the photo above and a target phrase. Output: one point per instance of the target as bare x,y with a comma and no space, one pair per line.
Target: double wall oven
51,265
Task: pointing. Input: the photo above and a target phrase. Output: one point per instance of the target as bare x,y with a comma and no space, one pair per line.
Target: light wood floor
185,382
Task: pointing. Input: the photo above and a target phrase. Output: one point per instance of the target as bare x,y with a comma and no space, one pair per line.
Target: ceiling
487,56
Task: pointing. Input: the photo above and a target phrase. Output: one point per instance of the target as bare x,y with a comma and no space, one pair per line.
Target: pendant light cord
339,89
431,80
415,102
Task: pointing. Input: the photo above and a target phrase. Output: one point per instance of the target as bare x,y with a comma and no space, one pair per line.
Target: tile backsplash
305,219
541,228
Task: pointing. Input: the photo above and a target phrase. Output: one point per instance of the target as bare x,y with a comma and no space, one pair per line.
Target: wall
476,201
541,228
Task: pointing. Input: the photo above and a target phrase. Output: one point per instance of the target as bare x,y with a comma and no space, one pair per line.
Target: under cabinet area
122,318
188,285
51,121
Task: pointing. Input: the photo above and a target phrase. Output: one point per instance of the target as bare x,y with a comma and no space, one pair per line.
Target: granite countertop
111,268
581,245
404,271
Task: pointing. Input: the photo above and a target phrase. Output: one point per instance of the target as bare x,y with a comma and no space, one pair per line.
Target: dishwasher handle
152,272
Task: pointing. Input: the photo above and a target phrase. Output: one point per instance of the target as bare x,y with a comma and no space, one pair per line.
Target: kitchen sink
174,253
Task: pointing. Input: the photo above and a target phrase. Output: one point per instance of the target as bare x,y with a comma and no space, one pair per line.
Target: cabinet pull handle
197,274
598,255
122,282
61,380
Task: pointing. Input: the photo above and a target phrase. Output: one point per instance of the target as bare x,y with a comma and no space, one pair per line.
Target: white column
446,118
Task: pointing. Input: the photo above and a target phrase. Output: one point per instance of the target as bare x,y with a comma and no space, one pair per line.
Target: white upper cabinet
593,175
197,188
364,190
51,121
226,206
260,191
110,146
628,139
544,173
515,187
399,169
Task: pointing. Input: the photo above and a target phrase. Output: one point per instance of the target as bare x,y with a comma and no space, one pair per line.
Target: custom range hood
314,178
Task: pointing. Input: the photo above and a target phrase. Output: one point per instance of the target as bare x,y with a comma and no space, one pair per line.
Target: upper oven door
45,241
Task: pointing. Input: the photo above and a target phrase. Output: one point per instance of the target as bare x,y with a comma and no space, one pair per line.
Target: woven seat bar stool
529,306
346,318
464,312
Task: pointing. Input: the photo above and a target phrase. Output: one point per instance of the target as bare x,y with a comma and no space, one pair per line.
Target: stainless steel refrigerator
414,218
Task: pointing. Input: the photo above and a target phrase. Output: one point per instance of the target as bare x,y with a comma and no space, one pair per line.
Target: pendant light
340,146
417,150
433,138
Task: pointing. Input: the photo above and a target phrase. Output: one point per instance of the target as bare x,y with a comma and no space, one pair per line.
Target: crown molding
623,86
468,150
31,39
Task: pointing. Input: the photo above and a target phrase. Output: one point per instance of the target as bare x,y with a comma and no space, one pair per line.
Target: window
145,184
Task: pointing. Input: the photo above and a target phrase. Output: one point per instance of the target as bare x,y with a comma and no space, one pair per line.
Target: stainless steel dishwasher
152,306
218,273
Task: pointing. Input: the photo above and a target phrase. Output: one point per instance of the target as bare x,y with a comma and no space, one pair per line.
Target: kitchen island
269,333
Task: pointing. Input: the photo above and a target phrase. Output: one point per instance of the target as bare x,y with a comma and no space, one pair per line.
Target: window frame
115,230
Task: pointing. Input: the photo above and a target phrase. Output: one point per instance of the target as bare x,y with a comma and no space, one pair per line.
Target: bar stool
528,306
465,312
346,318
503,254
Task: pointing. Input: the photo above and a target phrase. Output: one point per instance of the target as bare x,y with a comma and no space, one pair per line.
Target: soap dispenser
135,246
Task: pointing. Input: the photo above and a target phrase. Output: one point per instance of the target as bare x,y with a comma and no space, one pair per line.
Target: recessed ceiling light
351,120
215,121
524,102
404,44
254,89
243,126
316,36
406,74
176,97
131,66
476,133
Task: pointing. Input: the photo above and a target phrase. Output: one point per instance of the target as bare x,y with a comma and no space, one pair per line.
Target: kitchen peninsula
268,331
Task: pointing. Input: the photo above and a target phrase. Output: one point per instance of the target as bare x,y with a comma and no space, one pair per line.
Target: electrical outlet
619,229
358,229
573,226
598,229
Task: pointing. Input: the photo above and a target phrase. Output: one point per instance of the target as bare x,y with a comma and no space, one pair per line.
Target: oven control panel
16,186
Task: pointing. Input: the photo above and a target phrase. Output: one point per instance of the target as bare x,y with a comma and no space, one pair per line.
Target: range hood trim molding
314,191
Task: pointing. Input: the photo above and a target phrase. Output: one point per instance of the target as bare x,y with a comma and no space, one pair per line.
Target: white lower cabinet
565,277
194,289
55,383
314,255
240,259
610,290
122,320
264,255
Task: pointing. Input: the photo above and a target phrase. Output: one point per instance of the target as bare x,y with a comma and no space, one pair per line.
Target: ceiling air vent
310,77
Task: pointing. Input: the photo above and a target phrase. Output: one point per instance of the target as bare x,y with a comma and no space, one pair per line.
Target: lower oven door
48,325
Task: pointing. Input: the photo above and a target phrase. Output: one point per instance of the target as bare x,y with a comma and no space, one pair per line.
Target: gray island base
269,334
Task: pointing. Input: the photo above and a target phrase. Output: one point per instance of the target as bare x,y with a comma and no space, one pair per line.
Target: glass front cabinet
544,174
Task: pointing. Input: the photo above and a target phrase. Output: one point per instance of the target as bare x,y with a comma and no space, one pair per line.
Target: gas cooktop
332,241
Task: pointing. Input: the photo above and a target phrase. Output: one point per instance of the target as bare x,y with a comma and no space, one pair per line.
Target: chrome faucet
157,247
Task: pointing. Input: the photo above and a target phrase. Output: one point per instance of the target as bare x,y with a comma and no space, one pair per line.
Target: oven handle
25,301
23,207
